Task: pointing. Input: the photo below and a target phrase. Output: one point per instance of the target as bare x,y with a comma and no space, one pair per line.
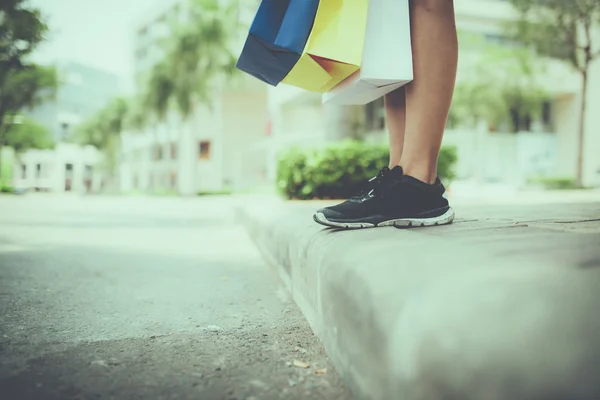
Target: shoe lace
371,187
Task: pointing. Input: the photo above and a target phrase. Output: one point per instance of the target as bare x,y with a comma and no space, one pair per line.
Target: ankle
393,163
422,173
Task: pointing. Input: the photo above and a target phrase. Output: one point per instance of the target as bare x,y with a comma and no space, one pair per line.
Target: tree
510,92
196,60
28,134
160,90
23,135
136,118
201,53
103,130
21,31
563,30
22,84
107,123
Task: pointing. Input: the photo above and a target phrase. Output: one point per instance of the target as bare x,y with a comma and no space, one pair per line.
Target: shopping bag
335,47
277,38
387,56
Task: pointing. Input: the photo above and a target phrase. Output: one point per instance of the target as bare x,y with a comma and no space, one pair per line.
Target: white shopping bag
387,56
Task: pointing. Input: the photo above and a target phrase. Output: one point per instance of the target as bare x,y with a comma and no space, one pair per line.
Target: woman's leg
428,97
395,113
416,119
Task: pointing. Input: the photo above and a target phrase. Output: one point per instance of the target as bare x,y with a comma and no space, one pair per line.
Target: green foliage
114,115
24,88
6,166
22,84
28,135
557,28
197,56
223,192
136,117
6,189
510,91
161,89
337,170
556,183
103,130
107,123
21,31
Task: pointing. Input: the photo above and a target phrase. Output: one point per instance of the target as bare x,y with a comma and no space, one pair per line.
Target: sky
97,33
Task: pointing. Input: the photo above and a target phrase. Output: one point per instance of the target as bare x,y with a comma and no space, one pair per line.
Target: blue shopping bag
277,38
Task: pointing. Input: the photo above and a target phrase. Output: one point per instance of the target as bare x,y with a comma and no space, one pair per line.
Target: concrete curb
485,309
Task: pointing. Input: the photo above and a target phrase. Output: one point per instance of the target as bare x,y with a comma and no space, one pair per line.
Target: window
23,171
38,170
65,130
547,122
204,150
173,148
68,177
158,153
520,122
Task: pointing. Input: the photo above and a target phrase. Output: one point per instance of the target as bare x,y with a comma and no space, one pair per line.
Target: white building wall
52,175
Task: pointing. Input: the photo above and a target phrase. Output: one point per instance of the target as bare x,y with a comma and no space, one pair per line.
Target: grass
556,183
224,192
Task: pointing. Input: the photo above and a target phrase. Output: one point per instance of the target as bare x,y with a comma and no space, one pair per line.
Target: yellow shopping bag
335,47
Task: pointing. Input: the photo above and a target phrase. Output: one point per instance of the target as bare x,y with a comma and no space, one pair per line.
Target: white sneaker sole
445,219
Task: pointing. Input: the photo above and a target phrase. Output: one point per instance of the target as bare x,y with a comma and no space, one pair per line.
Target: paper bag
387,56
335,47
277,38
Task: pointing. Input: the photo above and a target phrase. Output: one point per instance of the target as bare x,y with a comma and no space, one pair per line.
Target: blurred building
546,147
83,91
207,151
66,168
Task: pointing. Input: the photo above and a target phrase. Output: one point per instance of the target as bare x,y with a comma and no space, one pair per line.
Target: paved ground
130,298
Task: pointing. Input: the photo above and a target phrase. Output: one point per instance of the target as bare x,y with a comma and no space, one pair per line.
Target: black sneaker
394,199
372,183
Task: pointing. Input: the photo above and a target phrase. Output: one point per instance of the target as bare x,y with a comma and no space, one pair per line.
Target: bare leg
395,112
428,97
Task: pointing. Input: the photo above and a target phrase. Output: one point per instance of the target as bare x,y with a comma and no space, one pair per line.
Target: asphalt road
138,298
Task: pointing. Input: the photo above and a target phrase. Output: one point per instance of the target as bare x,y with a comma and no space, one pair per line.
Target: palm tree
99,129
157,98
136,118
103,131
196,62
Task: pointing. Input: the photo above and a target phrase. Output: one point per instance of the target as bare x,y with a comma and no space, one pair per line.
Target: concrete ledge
488,308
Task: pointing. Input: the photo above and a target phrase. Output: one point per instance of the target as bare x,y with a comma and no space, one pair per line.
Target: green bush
224,192
339,169
556,183
6,189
